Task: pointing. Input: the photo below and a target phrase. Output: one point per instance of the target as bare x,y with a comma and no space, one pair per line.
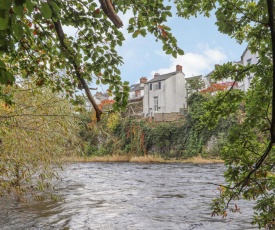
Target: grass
140,159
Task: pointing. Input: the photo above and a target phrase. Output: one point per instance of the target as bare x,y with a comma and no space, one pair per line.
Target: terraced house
165,96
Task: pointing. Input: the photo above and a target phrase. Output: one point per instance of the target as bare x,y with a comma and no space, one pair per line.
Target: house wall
175,94
131,94
148,99
146,108
171,96
247,58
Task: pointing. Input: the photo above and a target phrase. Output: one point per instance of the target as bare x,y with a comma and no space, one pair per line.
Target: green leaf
168,13
54,7
27,30
17,30
4,22
46,10
165,47
29,6
131,20
2,64
169,51
143,32
174,54
18,9
135,34
131,29
5,4
180,52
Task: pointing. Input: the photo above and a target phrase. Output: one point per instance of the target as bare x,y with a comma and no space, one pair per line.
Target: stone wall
167,117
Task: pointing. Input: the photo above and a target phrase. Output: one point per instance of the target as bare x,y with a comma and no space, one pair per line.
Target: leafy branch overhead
33,42
249,151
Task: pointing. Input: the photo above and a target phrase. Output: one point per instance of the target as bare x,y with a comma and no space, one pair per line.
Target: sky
203,44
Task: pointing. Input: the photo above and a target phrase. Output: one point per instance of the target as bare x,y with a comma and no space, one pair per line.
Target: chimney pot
178,68
143,80
156,74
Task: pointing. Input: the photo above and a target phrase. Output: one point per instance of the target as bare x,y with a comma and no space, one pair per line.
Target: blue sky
203,44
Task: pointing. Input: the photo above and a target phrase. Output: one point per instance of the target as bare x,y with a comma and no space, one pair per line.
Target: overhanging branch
61,37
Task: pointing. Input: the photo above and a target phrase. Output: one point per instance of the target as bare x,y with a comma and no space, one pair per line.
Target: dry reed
140,159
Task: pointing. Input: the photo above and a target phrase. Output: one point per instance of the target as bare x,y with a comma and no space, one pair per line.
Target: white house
137,90
135,101
165,95
247,58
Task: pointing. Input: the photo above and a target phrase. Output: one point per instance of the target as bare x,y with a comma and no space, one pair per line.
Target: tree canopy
249,152
33,42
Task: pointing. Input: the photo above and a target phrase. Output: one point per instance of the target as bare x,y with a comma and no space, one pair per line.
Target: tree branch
61,37
270,6
109,10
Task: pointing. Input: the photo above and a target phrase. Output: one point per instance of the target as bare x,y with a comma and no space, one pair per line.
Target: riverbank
140,159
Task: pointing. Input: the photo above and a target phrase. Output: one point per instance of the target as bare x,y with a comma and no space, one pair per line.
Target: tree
33,42
215,87
36,132
195,83
249,152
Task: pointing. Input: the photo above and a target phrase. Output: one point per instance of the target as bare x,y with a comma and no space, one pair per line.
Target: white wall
171,96
247,58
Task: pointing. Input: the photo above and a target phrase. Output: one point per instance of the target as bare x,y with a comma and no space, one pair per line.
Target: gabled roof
163,77
134,99
246,49
193,77
209,74
136,87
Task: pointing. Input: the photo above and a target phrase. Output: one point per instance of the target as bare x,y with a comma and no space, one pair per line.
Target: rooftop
162,77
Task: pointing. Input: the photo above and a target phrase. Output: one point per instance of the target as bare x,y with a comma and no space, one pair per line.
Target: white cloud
195,63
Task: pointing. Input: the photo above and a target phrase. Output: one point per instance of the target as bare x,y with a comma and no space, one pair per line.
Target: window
156,104
157,85
150,86
248,61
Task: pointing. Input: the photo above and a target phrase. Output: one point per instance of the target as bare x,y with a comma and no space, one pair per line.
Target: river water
130,196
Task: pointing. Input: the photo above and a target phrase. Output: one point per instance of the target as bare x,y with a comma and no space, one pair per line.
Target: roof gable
162,77
136,87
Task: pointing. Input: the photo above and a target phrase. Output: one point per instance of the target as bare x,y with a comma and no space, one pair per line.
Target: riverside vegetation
182,139
33,45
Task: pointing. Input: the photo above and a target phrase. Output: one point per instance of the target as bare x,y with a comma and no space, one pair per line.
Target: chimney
143,80
156,74
178,68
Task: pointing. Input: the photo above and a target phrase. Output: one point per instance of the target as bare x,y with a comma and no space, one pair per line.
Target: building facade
247,58
165,94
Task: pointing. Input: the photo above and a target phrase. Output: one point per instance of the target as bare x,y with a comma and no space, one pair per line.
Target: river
130,196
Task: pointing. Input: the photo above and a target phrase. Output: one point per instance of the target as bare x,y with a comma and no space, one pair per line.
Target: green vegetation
33,42
33,46
179,139
35,133
248,151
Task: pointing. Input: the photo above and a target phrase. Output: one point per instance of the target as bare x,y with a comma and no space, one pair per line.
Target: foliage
36,131
215,87
195,83
104,105
33,42
180,139
249,151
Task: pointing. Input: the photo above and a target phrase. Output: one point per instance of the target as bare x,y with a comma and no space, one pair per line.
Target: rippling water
129,196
